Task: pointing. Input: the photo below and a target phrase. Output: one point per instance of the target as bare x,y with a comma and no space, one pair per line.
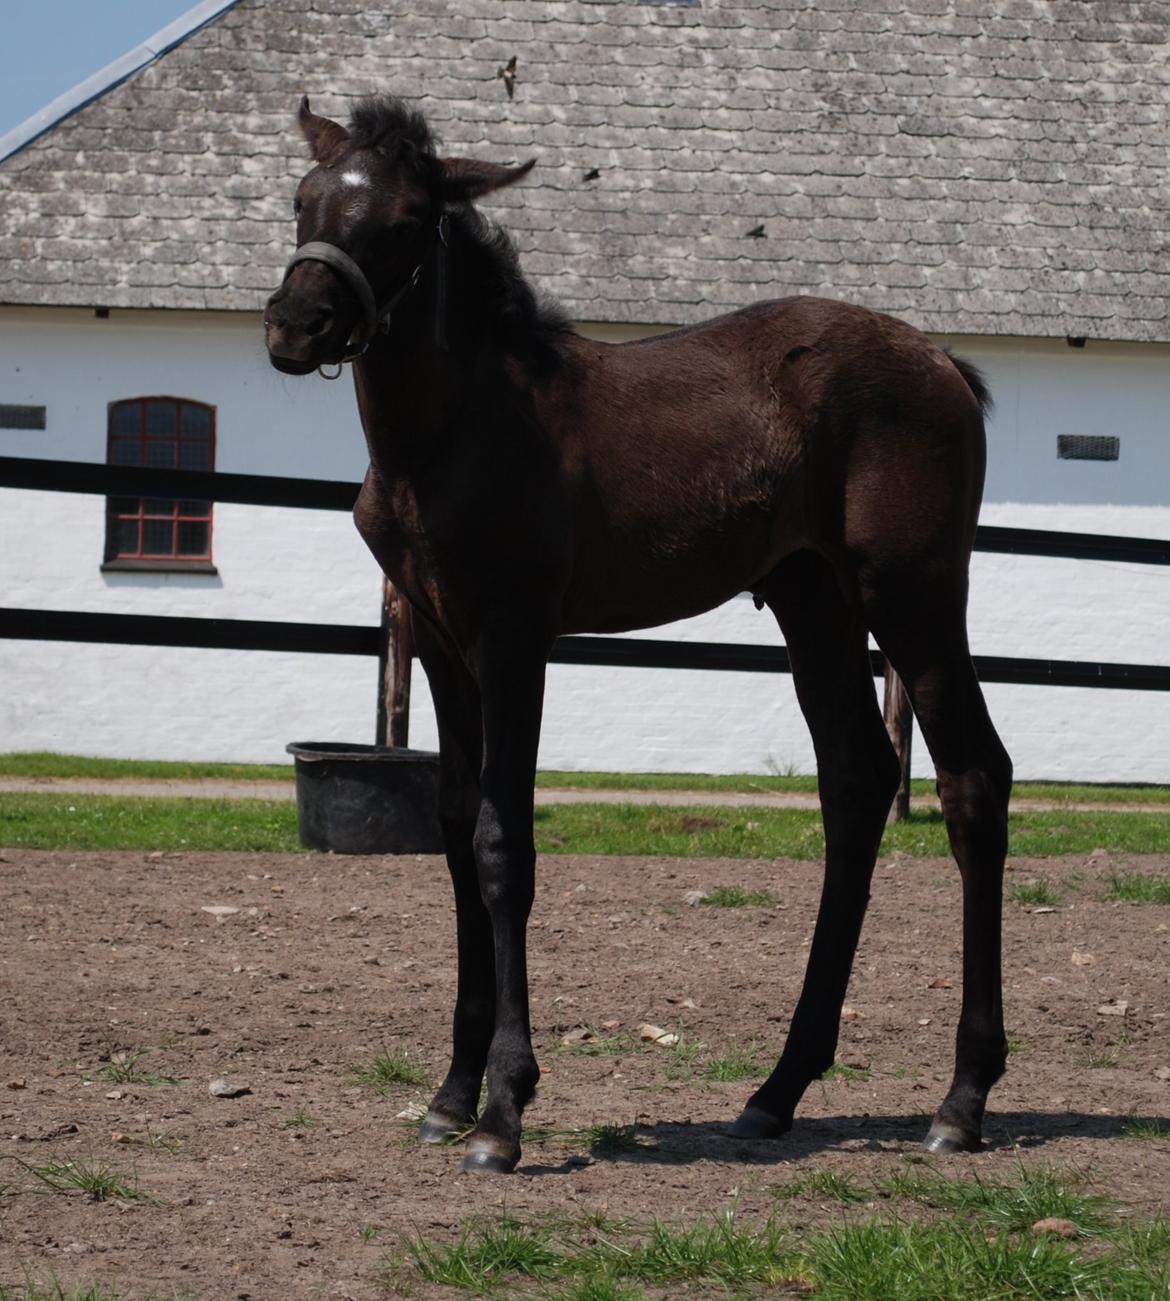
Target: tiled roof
976,166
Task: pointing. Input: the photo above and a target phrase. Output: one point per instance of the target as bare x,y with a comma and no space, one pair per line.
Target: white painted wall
302,565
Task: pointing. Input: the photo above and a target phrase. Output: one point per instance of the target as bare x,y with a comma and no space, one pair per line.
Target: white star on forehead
354,179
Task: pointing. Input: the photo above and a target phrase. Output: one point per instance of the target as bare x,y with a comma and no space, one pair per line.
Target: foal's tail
973,378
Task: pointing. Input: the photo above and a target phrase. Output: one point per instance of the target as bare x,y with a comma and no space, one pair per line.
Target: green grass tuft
1134,887
731,896
615,1140
388,1070
1035,892
486,1254
123,1068
739,1062
843,1071
1141,1128
55,1291
99,1182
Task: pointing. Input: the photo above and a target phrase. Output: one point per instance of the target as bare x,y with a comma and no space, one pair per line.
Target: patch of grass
1015,1046
55,821
300,1119
122,1068
1035,892
55,1291
615,1140
1134,887
97,1181
739,1062
487,1253
1038,1194
1145,1129
926,1262
844,1071
684,1059
842,1188
602,1045
44,763
964,1257
731,896
160,1142
121,822
388,1070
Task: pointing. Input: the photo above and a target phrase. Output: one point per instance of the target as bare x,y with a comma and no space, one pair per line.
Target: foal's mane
524,321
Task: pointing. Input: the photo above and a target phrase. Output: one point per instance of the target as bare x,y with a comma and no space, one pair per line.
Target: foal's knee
506,861
975,806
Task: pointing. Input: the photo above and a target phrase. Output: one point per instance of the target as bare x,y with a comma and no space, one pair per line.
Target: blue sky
51,45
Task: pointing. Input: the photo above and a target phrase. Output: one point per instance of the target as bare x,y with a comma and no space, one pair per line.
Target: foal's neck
465,344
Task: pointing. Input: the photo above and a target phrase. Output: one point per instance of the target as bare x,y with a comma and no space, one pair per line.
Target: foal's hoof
489,1157
438,1128
753,1122
945,1138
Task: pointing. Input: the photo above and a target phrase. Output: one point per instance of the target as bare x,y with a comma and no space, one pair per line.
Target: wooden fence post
900,725
394,656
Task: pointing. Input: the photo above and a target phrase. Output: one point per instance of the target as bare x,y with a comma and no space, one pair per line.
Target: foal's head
369,213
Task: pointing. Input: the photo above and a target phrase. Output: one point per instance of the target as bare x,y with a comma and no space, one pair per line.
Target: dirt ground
298,1188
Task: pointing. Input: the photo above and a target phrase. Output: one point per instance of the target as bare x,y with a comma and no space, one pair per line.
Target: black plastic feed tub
367,799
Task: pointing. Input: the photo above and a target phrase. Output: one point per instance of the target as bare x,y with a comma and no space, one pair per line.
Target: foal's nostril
320,322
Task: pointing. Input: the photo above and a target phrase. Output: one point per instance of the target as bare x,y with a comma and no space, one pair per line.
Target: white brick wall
309,565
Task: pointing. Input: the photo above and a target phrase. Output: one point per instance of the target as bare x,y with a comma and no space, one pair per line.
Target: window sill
159,567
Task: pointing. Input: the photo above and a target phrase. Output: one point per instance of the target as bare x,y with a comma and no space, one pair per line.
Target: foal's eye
297,206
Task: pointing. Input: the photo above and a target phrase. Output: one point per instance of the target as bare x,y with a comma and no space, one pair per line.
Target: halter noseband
374,317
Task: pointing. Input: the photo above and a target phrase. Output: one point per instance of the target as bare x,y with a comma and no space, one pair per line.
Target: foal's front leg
511,681
458,713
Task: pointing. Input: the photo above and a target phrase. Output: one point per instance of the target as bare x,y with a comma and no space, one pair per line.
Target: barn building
995,171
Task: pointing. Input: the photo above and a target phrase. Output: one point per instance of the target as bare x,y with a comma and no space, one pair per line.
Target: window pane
125,536
196,421
158,538
160,455
192,538
159,506
125,418
124,451
160,418
195,456
190,507
122,505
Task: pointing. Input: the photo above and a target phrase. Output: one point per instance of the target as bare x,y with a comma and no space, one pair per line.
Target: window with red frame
160,532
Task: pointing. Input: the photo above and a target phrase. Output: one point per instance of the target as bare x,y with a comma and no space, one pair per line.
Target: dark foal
525,482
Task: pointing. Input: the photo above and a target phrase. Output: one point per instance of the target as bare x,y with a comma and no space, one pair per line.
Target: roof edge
113,74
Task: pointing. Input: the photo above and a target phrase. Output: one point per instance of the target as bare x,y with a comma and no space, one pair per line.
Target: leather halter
374,317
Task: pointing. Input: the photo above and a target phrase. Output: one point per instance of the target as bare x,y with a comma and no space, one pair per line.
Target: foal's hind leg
924,635
457,710
857,773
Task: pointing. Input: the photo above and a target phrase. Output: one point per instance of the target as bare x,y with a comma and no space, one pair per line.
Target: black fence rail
627,652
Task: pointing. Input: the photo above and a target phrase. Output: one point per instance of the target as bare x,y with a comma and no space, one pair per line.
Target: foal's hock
526,482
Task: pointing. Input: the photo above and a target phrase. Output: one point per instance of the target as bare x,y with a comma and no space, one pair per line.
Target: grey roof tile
974,165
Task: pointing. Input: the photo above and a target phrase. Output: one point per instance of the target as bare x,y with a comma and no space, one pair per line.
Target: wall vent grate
1087,447
16,417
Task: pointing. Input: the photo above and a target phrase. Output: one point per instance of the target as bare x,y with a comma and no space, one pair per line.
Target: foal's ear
464,178
323,135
